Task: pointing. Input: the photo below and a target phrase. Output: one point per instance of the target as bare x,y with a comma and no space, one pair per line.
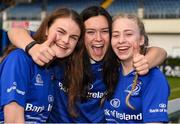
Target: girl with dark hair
135,98
26,89
85,98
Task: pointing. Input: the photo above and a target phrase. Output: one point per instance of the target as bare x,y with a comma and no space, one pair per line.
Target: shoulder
156,72
155,78
18,54
153,73
17,57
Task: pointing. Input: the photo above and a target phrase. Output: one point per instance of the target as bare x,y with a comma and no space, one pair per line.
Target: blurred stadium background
161,19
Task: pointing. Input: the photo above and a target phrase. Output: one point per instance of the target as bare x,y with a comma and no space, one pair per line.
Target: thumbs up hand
42,53
140,63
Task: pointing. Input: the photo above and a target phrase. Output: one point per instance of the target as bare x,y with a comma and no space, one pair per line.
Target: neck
92,61
127,66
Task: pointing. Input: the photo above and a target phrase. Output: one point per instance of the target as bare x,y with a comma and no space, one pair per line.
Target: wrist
29,46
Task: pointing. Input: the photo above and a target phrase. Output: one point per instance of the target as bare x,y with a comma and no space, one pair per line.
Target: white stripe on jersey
35,118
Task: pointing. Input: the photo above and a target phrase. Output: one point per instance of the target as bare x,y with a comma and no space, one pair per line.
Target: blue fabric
88,111
149,99
24,82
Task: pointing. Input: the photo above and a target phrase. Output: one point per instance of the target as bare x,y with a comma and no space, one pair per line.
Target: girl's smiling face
126,38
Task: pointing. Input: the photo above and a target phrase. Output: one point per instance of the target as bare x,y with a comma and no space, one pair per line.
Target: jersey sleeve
155,98
14,78
32,33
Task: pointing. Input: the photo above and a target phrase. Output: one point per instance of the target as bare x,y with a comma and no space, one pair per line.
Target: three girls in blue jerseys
97,71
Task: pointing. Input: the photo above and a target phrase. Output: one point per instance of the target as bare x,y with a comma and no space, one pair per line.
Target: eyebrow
62,29
77,36
95,29
123,31
128,30
66,32
115,31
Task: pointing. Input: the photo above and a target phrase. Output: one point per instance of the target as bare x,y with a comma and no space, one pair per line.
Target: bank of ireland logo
115,102
162,105
135,91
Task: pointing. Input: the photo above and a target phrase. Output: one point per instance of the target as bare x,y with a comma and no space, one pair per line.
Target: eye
105,31
74,38
115,35
60,32
129,33
90,32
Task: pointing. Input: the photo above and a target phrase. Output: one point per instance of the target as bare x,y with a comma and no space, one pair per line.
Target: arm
40,53
15,75
22,39
13,113
154,57
155,100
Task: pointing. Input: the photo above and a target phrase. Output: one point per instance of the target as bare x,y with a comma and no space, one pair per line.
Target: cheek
86,42
113,45
107,39
73,45
58,38
113,41
87,39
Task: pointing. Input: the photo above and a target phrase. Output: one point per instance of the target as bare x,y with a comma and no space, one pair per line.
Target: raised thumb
51,39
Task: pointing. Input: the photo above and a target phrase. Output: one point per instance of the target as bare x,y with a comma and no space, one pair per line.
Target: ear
142,38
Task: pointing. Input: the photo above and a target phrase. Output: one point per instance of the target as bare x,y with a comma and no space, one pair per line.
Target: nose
122,39
98,36
65,39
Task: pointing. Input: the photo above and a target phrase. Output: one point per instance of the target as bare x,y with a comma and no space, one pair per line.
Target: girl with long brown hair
26,89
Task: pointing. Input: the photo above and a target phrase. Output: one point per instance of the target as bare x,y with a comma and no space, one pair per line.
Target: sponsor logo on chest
136,90
90,94
34,108
113,112
39,81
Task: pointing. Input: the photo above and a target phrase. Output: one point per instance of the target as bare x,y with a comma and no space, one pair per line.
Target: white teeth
122,48
98,45
59,45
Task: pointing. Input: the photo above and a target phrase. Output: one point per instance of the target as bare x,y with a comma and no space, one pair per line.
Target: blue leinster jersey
24,82
149,99
88,111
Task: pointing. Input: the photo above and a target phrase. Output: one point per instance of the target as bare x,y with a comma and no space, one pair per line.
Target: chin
98,59
61,55
123,58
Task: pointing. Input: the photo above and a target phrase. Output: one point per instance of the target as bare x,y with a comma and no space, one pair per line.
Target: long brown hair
73,77
73,63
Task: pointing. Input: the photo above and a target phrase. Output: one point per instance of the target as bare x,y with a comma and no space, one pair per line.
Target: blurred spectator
4,42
